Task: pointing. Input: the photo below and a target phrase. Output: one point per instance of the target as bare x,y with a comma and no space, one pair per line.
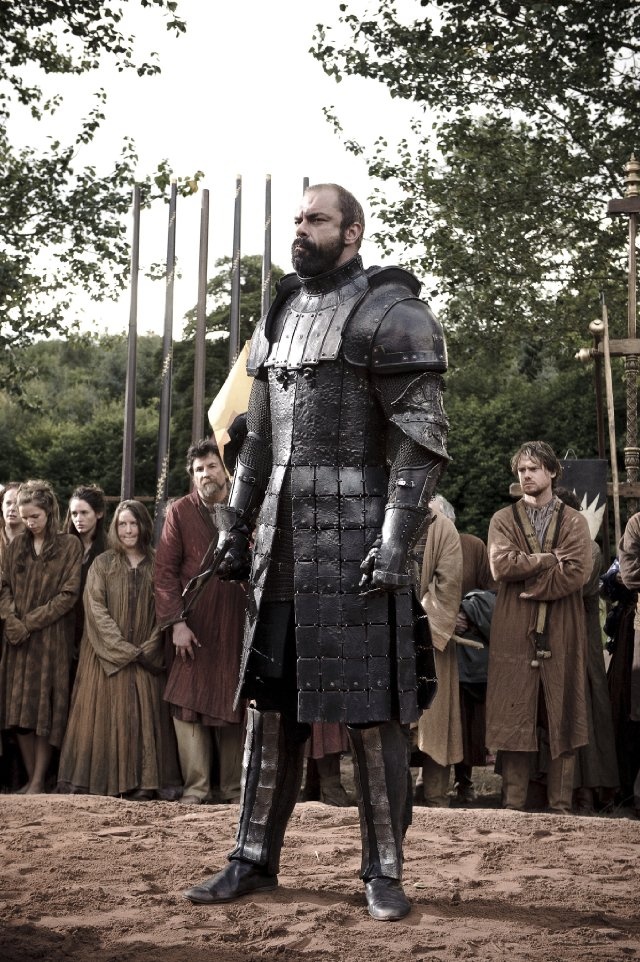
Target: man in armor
345,444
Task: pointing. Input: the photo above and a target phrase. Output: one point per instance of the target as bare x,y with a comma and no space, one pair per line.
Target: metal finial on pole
162,465
200,344
266,258
234,319
127,484
632,169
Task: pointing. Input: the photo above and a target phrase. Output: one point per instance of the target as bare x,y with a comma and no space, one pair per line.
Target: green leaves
526,113
63,224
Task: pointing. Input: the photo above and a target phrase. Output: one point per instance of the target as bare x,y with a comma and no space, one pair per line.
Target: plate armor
347,368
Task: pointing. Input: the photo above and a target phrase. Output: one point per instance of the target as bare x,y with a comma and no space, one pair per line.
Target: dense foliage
526,113
69,426
62,221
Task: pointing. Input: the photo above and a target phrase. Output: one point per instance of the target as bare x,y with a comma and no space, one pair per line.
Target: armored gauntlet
386,567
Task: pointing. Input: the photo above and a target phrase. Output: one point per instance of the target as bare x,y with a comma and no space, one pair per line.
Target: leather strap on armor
381,767
271,778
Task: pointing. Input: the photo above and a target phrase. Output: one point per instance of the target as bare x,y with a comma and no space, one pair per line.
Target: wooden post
234,318
612,423
630,205
162,465
266,257
127,484
199,343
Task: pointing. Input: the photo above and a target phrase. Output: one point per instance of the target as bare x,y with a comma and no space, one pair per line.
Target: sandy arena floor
86,878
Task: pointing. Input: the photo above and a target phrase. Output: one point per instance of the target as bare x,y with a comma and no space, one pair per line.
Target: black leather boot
235,880
381,765
271,778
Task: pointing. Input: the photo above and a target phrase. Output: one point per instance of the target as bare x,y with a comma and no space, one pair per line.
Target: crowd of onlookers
86,654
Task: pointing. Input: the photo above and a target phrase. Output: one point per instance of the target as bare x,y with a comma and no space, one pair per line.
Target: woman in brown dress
85,520
40,586
119,739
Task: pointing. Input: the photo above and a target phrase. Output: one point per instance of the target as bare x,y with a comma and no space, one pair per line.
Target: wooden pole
612,424
234,318
266,257
162,465
630,205
200,344
127,484
631,451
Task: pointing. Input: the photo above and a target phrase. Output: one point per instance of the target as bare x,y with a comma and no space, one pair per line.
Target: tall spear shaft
127,484
234,317
162,466
266,258
630,205
200,346
631,451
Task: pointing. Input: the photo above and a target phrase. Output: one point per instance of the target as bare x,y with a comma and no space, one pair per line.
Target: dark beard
309,260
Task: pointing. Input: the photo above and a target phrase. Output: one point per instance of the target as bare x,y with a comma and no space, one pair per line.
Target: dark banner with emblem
587,479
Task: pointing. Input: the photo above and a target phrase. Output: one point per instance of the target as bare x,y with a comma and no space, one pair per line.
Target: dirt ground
87,878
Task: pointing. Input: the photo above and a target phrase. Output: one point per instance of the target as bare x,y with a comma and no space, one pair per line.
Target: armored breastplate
310,327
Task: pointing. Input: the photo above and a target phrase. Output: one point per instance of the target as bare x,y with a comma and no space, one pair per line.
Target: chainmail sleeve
256,449
254,461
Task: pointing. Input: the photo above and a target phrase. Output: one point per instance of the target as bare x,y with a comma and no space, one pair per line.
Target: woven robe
38,595
439,728
120,737
556,576
200,689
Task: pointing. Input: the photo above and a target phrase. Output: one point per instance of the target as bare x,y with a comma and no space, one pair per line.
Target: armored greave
271,778
381,765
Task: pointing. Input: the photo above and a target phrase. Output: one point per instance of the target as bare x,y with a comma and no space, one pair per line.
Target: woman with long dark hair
119,739
85,520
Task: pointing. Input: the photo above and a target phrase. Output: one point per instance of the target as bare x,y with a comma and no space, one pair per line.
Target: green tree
70,432
526,113
52,204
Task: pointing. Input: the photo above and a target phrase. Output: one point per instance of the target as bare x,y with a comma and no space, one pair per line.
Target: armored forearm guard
235,520
247,490
406,516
